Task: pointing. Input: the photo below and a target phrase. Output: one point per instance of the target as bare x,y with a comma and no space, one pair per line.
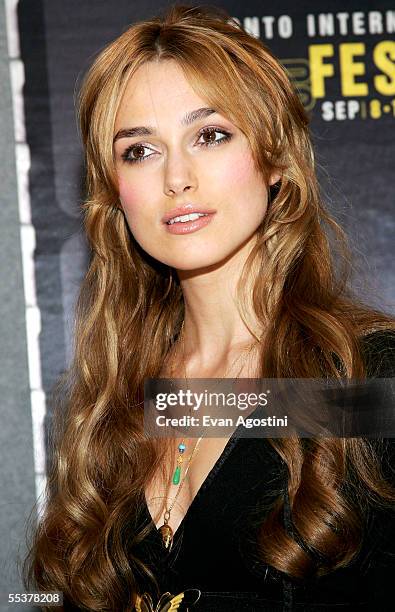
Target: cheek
239,172
246,187
133,198
127,194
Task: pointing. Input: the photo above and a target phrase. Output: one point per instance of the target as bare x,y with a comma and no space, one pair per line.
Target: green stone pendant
176,475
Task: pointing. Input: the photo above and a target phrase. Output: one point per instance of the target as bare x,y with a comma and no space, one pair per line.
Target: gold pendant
167,536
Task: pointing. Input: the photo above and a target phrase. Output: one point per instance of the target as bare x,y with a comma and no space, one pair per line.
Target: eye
135,153
209,133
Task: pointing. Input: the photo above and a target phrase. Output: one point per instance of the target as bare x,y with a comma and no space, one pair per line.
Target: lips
189,226
185,218
186,209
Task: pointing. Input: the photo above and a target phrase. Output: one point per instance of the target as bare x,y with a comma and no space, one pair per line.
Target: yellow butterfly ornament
168,602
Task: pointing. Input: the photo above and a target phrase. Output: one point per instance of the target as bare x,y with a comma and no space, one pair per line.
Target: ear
274,178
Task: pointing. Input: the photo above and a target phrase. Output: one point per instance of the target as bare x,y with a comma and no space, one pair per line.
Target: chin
197,263
191,264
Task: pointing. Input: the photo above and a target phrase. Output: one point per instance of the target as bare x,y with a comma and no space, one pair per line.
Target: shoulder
378,349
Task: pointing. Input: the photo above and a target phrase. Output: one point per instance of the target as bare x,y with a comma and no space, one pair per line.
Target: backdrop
342,59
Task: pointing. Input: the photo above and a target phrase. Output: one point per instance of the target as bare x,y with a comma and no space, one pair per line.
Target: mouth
186,224
181,214
186,218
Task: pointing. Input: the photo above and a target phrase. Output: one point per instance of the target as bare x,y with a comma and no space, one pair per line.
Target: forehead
157,89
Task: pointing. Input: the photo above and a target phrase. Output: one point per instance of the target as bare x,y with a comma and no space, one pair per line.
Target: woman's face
181,162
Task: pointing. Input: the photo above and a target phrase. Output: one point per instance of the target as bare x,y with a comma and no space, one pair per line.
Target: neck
214,330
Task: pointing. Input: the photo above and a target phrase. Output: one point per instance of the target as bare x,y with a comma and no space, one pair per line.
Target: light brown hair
131,308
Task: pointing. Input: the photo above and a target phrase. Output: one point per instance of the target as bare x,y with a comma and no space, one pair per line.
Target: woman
189,115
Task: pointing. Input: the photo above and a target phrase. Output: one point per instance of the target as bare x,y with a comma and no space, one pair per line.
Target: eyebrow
188,119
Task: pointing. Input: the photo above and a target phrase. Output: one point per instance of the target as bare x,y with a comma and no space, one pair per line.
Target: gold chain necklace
165,530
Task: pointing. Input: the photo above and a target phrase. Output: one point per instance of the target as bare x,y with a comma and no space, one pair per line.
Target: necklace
165,530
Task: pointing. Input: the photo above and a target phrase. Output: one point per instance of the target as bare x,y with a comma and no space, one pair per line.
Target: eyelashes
127,155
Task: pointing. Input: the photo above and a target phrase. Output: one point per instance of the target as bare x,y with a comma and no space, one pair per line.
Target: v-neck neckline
206,482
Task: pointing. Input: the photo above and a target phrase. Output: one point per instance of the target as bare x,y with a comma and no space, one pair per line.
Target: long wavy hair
130,311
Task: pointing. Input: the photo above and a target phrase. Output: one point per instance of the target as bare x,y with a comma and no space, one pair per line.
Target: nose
180,176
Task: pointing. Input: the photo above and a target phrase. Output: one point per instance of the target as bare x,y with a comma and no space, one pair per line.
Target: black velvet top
214,548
